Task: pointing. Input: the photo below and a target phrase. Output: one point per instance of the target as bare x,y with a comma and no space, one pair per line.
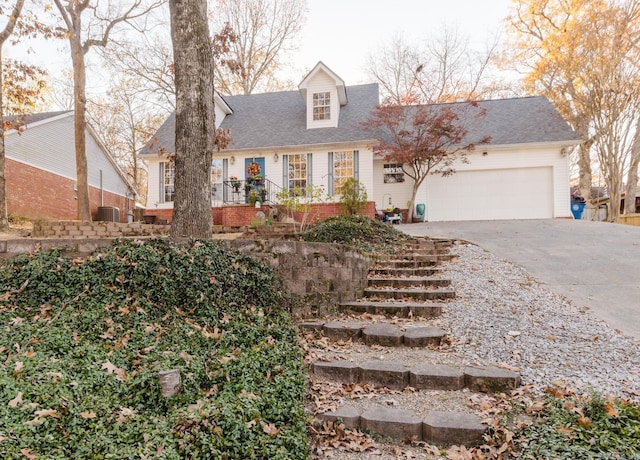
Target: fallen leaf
19,367
113,369
47,413
28,453
34,422
56,376
87,414
584,421
269,428
15,402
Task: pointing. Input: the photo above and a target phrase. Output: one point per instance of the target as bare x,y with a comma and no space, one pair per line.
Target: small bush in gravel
359,232
83,341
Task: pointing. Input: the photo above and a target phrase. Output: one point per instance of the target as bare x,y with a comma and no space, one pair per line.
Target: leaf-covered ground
83,341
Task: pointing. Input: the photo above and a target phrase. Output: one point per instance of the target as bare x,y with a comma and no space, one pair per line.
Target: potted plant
263,195
235,183
257,179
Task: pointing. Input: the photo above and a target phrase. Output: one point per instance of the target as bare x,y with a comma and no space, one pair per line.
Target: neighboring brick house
41,170
315,136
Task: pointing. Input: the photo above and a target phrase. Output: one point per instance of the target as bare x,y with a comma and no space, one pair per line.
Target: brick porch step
401,272
384,334
397,376
440,428
416,282
414,294
399,309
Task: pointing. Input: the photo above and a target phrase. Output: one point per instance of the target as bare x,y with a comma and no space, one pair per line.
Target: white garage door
523,193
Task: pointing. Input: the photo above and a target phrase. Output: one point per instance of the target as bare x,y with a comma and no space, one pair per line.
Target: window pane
297,171
342,169
169,174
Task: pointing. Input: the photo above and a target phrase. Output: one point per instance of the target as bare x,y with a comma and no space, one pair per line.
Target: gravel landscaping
503,316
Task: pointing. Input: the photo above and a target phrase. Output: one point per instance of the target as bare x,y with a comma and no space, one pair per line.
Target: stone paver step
384,334
399,309
400,272
406,293
416,282
398,263
396,375
418,257
440,428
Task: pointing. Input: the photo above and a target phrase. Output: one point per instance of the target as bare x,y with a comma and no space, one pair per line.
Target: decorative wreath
253,169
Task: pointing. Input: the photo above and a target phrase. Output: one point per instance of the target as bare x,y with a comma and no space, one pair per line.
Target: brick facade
243,215
37,194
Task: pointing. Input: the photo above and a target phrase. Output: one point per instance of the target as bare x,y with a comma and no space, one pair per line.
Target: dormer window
322,106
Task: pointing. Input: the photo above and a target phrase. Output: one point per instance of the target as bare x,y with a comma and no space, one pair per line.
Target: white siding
320,83
50,146
399,193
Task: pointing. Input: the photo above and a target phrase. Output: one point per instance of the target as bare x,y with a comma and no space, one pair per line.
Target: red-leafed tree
426,139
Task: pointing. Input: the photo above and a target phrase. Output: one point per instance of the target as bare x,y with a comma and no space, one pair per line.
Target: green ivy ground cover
82,343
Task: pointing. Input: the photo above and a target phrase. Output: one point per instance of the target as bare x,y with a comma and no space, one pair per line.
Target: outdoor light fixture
275,157
232,160
563,152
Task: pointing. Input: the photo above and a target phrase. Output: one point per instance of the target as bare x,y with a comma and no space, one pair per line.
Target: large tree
96,32
195,119
265,30
578,53
425,139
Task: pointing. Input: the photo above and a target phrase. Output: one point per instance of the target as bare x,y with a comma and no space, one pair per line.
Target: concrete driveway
594,264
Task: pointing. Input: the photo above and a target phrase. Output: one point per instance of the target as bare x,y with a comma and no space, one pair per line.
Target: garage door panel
522,193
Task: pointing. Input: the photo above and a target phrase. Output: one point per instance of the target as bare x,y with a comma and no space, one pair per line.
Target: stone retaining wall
324,274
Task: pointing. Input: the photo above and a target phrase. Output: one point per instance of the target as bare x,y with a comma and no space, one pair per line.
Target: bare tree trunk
632,174
4,221
584,165
195,119
79,124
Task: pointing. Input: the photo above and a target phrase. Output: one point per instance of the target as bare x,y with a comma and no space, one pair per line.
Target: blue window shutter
309,169
330,175
285,172
161,183
356,165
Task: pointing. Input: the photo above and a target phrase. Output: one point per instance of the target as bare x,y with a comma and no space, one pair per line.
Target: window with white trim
322,106
167,176
216,179
393,173
297,171
343,169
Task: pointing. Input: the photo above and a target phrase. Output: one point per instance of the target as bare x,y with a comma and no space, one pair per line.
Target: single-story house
316,136
41,171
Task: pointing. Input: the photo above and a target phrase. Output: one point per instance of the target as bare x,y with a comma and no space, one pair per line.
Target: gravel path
502,315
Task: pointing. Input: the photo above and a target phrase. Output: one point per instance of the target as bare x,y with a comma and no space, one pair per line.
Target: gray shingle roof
279,119
522,120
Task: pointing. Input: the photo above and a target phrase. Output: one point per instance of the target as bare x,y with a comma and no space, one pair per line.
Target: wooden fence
630,219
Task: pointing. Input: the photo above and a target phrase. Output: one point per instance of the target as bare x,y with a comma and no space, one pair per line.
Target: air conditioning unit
108,214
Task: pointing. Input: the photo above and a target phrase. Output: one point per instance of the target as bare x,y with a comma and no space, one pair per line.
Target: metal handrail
239,191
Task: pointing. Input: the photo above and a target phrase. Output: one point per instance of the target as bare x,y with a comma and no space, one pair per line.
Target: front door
251,170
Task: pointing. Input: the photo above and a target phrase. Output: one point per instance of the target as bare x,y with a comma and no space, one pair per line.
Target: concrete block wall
77,229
